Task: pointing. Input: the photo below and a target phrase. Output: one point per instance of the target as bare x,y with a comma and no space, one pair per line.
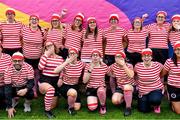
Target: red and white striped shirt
5,61
97,78
148,79
72,38
121,76
114,40
91,43
158,37
11,34
174,37
48,64
32,43
56,36
137,40
174,73
72,72
18,78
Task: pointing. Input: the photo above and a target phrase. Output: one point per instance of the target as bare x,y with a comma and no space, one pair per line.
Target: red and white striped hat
177,44
10,10
114,16
162,12
80,15
73,49
55,16
177,16
91,19
138,18
120,53
146,51
96,51
34,15
17,56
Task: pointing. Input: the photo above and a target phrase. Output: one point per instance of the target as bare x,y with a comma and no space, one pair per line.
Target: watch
89,71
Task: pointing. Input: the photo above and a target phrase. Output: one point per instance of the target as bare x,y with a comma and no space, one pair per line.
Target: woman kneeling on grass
124,77
48,80
172,68
68,82
94,76
149,82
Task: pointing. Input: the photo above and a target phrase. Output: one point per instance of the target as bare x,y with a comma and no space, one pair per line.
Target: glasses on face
55,20
177,49
137,22
72,53
146,55
161,17
95,55
92,22
47,46
17,61
78,20
118,56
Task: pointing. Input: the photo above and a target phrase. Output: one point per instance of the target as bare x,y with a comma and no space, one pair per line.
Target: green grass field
113,112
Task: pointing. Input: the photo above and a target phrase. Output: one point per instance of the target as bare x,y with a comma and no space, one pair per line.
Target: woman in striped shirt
55,34
149,82
123,72
136,38
172,68
68,82
33,45
48,81
73,34
174,33
94,76
11,33
92,39
158,37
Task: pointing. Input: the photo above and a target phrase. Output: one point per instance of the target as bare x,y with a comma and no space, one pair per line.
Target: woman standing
73,34
94,76
149,82
172,68
11,33
92,39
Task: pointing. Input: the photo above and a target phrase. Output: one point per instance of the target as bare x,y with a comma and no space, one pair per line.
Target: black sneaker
71,111
127,112
49,114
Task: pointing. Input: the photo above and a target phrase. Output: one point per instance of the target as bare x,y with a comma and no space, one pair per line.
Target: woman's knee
116,98
92,103
77,106
72,92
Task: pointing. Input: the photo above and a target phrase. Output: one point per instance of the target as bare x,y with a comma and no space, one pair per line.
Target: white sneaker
27,106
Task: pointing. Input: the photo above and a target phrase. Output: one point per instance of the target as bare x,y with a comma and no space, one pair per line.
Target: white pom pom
145,15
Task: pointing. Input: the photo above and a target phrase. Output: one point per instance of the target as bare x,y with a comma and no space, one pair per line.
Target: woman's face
118,57
77,21
34,21
137,24
176,24
177,52
92,24
55,23
73,54
50,45
147,58
160,19
95,57
10,16
114,21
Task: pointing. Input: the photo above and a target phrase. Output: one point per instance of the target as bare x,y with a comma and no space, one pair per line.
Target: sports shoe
27,106
49,114
127,112
102,110
157,109
71,111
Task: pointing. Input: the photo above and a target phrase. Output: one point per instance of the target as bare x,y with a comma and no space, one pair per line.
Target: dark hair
133,25
172,29
88,31
174,59
80,27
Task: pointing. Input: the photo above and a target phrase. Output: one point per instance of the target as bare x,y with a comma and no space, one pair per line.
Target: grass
113,112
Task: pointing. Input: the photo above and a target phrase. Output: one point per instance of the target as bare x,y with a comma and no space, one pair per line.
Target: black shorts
133,58
64,89
52,81
174,93
2,93
91,92
11,51
33,62
120,90
109,59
